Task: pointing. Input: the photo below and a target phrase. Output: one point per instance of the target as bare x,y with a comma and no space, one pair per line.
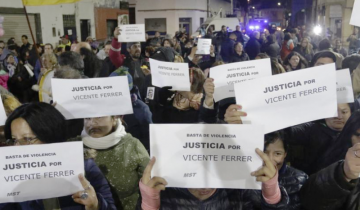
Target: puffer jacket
223,199
328,190
292,180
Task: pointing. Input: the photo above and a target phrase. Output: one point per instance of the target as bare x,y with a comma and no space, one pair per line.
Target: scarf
104,142
182,103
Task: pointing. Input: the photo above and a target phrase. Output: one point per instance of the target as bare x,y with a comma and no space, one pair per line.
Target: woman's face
294,61
304,43
167,43
202,193
22,133
276,153
11,59
99,126
338,123
239,48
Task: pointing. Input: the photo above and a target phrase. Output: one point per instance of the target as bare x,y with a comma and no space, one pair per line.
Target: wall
172,10
103,14
51,16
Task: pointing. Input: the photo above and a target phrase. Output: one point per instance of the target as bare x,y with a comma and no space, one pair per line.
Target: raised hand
352,163
233,115
157,183
267,171
87,197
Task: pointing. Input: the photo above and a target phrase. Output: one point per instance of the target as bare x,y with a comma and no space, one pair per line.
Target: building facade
168,16
335,15
95,18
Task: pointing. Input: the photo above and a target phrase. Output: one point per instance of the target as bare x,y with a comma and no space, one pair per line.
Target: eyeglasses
23,141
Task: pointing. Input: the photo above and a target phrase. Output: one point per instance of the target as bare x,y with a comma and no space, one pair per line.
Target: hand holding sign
157,183
117,32
352,162
233,115
90,202
268,171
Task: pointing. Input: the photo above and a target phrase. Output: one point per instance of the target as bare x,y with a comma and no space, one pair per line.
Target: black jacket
223,199
253,48
272,50
202,65
311,141
227,50
136,72
239,36
238,58
328,190
292,180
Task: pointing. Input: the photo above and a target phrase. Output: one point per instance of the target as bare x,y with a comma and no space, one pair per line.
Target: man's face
48,49
2,45
24,40
64,40
135,51
107,49
237,28
223,28
157,34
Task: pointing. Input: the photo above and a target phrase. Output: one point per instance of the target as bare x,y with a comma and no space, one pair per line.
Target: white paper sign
132,33
165,74
40,171
203,47
345,93
225,76
3,116
86,98
289,99
206,156
355,16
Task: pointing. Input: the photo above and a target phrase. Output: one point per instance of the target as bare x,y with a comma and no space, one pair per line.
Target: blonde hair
218,63
309,46
10,103
178,59
197,79
51,58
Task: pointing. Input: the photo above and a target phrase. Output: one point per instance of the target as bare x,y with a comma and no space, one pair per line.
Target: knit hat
129,44
166,54
323,54
123,71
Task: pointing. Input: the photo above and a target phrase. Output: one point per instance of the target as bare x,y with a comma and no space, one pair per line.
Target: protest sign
3,116
40,171
165,74
203,47
225,76
345,93
84,98
206,156
289,99
355,16
132,33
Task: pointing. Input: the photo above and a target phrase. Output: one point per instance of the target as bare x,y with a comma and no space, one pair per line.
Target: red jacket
115,56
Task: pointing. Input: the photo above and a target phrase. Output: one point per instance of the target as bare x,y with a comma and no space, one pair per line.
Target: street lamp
253,7
279,3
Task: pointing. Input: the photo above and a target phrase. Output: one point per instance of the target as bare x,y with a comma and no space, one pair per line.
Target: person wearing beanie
325,45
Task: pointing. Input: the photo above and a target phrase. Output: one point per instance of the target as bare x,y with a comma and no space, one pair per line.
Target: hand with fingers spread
87,197
150,188
233,114
209,88
352,163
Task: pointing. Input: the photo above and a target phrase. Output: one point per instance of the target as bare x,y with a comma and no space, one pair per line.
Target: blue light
257,27
252,27
266,21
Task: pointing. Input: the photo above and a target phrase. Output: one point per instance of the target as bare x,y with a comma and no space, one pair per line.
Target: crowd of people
314,165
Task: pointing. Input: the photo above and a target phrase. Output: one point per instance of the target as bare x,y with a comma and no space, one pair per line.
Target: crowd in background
309,166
